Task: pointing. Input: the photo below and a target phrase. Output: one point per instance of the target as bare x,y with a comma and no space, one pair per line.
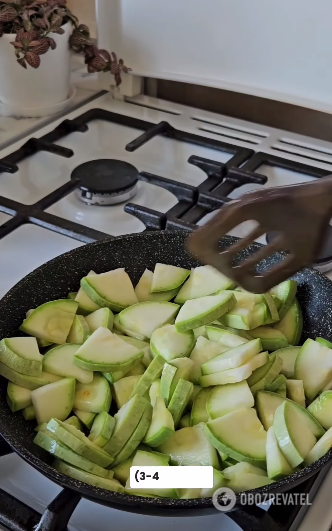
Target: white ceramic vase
42,88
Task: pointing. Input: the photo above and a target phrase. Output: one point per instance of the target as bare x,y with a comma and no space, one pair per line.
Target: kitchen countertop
87,89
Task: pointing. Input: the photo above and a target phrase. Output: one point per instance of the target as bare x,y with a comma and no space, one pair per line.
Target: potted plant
36,39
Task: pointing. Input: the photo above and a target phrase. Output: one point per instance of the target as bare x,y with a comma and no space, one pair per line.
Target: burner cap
106,181
324,260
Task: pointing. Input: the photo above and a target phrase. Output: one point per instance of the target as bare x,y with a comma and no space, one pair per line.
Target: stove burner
106,181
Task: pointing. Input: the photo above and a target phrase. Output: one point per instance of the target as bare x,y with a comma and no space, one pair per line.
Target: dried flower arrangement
34,22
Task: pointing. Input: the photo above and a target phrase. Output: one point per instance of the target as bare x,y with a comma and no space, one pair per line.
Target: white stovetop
30,246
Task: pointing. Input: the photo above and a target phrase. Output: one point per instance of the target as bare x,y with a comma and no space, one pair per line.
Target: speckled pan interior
134,252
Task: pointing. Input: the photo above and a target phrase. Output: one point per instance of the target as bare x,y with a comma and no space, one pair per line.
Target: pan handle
59,512
253,518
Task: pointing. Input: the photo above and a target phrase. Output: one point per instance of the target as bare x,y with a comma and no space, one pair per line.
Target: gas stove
118,167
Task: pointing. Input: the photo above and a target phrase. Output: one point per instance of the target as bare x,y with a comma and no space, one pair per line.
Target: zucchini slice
55,400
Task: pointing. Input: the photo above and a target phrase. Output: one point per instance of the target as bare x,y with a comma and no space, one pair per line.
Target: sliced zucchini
137,369
150,459
267,404
190,447
271,338
21,354
235,375
171,344
180,400
74,421
321,409
203,281
248,313
102,429
29,382
143,290
285,293
103,317
85,477
204,351
154,391
233,358
124,388
85,417
29,413
43,344
277,465
161,427
127,420
152,373
106,352
313,366
62,452
146,317
184,367
94,397
112,290
240,479
79,330
273,314
168,277
277,383
18,397
85,304
122,471
240,435
60,361
138,343
78,442
185,421
203,311
42,427
119,329
167,377
224,399
51,321
226,338
264,376
200,331
324,342
294,436
282,391
72,295
291,325
295,391
321,448
195,392
199,410
136,438
288,356
55,400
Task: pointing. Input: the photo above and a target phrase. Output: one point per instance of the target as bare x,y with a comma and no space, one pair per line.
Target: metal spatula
299,215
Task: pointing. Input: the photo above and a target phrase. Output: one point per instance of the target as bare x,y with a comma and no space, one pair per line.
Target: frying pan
136,252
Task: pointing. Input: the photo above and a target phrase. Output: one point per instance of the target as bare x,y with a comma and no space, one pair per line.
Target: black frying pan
135,252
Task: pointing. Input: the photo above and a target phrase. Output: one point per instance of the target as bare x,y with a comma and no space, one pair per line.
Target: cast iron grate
187,196
193,204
